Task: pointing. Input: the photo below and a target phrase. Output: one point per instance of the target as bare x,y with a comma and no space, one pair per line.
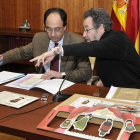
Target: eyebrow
54,28
48,27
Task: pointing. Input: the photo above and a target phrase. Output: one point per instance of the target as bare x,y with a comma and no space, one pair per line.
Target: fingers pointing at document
44,58
47,56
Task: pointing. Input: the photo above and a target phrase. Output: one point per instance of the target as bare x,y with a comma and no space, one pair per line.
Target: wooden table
25,125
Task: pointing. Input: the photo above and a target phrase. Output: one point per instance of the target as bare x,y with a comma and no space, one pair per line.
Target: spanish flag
125,15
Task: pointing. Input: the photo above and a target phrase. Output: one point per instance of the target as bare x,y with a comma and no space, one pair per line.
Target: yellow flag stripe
121,14
137,43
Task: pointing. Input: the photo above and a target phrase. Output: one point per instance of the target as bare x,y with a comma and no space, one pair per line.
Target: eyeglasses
50,30
87,30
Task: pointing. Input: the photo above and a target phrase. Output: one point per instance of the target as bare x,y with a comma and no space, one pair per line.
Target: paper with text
33,80
15,100
6,76
124,94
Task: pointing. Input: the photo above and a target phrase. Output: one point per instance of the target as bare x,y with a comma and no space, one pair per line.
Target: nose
84,34
53,32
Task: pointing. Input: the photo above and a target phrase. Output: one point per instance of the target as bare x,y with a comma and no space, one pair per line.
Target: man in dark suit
55,20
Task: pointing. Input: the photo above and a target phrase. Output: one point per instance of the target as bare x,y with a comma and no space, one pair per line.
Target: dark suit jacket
118,63
82,69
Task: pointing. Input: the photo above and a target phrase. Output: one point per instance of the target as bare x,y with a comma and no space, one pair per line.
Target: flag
125,15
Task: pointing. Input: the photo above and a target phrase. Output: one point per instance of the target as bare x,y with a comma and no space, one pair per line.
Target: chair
95,76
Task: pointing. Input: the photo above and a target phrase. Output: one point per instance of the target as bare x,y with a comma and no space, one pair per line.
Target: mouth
87,39
54,38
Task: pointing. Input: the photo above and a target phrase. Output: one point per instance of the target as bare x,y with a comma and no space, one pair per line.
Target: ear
102,27
101,30
65,28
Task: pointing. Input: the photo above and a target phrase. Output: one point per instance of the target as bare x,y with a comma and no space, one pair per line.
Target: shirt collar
106,33
60,42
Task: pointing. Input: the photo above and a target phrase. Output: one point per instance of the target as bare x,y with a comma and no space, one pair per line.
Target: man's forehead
54,17
86,25
54,14
54,20
88,22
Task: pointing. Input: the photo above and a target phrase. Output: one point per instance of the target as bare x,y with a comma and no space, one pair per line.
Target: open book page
33,80
15,100
124,94
6,76
53,85
27,82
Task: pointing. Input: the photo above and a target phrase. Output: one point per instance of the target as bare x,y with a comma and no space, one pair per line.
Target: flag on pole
125,15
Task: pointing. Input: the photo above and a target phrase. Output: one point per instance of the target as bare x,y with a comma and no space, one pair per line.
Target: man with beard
118,63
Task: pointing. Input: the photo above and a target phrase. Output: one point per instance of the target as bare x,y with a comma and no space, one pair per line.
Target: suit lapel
44,48
45,44
66,41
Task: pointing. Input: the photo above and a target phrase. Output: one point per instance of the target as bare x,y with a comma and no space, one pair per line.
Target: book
78,108
6,76
124,94
33,81
15,100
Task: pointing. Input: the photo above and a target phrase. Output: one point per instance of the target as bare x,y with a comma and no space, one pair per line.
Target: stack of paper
6,76
124,94
15,100
33,80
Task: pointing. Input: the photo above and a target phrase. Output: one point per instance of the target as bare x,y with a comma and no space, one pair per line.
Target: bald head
60,11
54,27
54,20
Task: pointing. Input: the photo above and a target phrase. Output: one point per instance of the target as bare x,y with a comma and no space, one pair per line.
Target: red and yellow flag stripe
125,15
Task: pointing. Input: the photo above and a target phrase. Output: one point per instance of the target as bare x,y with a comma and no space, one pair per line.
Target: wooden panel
14,12
8,17
0,14
16,32
21,12
75,11
106,4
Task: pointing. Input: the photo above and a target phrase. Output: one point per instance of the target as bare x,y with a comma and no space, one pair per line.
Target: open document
6,76
33,80
124,94
15,100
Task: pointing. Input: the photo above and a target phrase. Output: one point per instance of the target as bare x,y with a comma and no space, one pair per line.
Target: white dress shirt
51,45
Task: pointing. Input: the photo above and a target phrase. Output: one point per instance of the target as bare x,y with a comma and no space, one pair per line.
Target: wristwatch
55,52
63,75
